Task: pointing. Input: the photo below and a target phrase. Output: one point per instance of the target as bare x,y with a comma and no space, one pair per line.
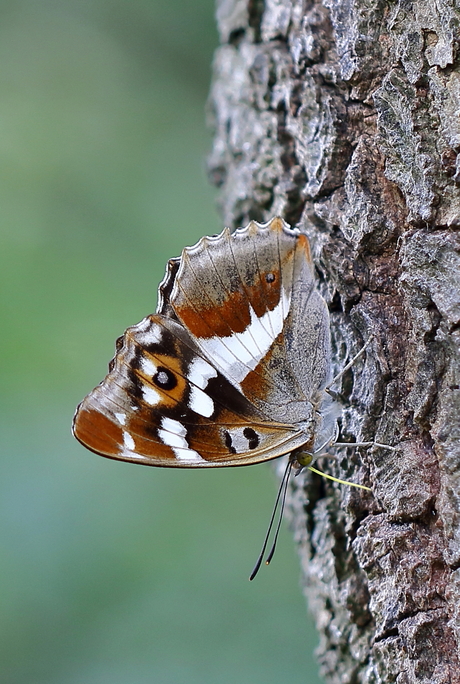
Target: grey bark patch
343,118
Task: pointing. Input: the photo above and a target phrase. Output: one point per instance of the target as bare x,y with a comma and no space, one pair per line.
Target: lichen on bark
342,116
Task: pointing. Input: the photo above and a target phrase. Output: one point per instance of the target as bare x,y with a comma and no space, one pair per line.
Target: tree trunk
343,117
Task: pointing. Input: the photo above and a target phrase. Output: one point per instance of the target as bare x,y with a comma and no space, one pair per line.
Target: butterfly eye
270,278
164,378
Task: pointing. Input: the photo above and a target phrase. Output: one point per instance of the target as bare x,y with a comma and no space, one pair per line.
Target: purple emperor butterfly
233,367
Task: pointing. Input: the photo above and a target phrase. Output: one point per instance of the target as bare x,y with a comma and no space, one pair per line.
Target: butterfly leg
349,365
364,444
304,459
335,395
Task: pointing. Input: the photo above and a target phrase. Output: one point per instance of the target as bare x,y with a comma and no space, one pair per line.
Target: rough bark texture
343,117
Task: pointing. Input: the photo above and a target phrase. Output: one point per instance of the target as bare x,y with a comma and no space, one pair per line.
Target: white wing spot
128,441
200,371
172,433
238,354
200,402
148,367
143,325
150,396
121,417
148,332
129,448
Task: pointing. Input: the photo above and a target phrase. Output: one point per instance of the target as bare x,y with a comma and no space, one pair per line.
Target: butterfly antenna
281,496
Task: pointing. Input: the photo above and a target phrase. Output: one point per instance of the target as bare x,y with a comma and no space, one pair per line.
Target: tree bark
342,116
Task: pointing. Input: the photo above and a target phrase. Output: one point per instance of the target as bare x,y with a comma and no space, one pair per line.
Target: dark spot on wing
229,443
135,388
252,437
164,378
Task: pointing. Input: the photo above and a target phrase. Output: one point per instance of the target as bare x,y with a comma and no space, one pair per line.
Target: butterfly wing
248,300
162,403
219,376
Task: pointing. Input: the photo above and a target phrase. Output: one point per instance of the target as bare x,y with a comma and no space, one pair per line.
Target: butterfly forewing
162,403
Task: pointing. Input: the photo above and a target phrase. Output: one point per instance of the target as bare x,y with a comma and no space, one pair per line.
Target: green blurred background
109,572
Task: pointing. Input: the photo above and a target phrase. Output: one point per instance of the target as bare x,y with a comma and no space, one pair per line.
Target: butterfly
232,369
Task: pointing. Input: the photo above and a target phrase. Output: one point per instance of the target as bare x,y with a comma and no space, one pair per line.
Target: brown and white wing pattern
216,376
164,404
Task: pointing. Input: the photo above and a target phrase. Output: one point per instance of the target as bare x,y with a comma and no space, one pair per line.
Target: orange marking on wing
222,321
170,397
104,436
276,224
98,432
256,296
255,386
303,243
147,443
271,283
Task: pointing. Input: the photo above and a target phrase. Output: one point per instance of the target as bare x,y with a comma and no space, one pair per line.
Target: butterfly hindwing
253,288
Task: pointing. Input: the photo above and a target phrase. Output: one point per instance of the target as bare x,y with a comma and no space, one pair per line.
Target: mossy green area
112,573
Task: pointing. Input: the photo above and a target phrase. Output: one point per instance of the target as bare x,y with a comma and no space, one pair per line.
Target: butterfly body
231,369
